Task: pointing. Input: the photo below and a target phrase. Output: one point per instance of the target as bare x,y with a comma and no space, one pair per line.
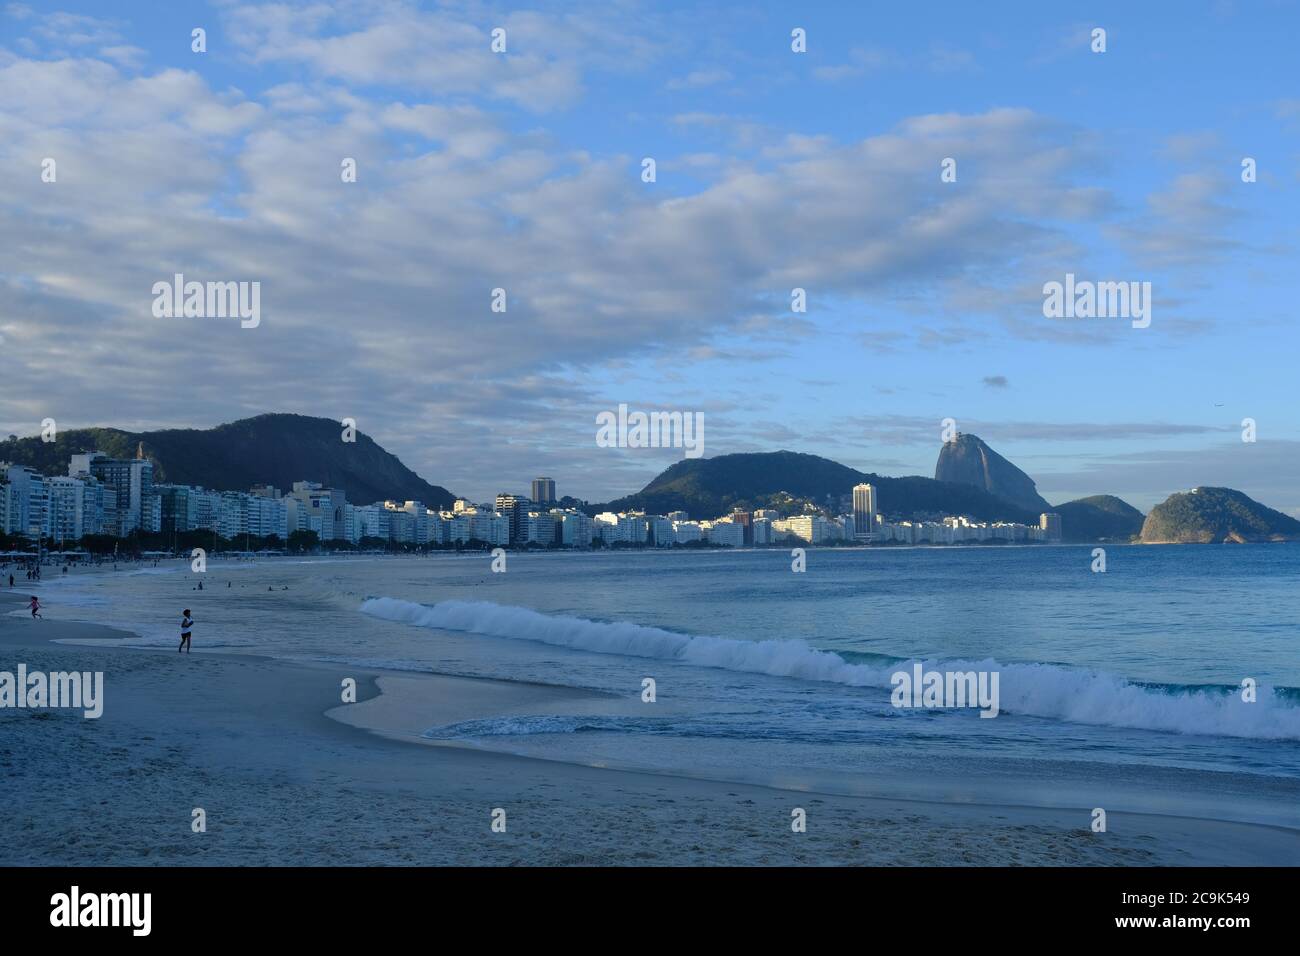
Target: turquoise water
1124,684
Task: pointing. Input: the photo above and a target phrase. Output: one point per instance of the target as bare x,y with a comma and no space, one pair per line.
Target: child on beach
187,622
36,607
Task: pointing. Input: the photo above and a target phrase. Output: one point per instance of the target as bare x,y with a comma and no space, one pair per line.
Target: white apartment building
576,530
490,527
661,531
686,532
622,528
26,510
538,527
810,529
725,533
65,511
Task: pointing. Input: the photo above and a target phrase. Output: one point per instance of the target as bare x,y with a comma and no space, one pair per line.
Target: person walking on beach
187,623
36,608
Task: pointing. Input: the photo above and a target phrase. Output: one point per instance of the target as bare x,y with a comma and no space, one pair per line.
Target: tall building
544,491
746,520
539,527
27,509
515,508
864,511
131,481
1051,525
179,507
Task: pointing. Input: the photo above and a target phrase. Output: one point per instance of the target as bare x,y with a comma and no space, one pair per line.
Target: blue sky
774,170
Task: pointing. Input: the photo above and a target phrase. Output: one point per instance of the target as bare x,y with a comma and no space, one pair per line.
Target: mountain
1099,518
709,487
269,449
966,460
1207,515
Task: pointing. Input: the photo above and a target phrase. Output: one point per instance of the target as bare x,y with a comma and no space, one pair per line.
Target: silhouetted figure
187,623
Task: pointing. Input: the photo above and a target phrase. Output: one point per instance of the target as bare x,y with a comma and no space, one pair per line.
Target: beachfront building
233,518
66,510
809,529
576,529
244,514
401,525
746,521
266,516
725,533
661,531
864,512
490,527
515,508
151,513
27,501
1050,524
207,509
63,508
370,521
320,509
470,523
539,527
458,527
417,524
179,507
131,481
687,532
622,528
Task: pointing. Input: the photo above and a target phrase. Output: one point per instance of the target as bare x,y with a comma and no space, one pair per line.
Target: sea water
1118,689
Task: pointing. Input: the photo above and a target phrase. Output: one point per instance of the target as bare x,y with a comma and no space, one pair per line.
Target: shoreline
287,773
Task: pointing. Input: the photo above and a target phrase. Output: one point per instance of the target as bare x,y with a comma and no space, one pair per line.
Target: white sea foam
1051,691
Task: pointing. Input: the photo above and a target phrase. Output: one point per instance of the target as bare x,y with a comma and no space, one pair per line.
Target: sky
774,170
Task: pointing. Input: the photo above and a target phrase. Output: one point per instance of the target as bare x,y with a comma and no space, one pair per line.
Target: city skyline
776,171
105,497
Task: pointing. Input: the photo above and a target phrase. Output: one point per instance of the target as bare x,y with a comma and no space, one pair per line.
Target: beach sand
287,774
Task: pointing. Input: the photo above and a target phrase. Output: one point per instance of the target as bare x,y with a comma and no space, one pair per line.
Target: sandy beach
287,774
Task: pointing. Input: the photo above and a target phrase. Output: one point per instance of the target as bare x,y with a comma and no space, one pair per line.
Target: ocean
1119,689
